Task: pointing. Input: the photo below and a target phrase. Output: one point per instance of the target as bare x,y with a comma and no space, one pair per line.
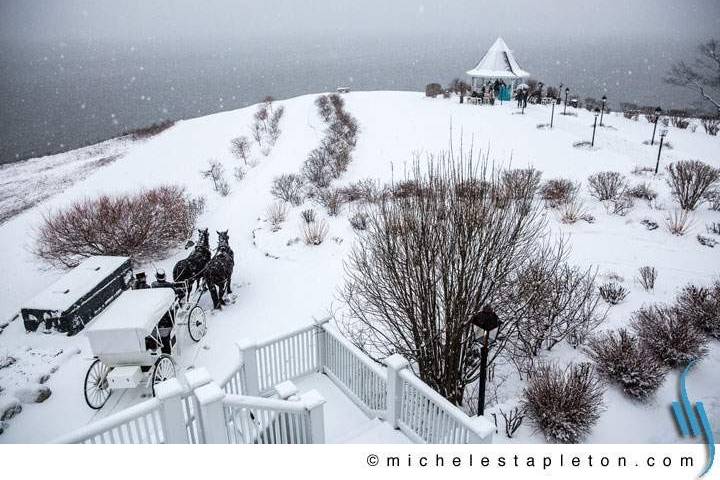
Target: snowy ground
277,294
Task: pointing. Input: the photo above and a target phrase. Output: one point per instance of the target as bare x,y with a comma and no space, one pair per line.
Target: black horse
218,272
189,270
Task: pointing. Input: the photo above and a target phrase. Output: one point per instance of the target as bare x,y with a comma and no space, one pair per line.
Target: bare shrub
713,227
430,260
513,420
239,173
690,180
359,220
308,215
621,358
240,148
640,171
668,335
642,191
679,120
678,222
607,185
318,168
700,306
331,199
558,191
521,183
613,293
143,225
620,205
433,90
149,131
713,198
646,277
711,125
216,174
706,241
275,215
266,124
564,404
315,232
289,188
572,211
365,190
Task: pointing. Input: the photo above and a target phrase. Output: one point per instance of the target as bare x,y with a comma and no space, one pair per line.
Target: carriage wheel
164,369
97,390
197,323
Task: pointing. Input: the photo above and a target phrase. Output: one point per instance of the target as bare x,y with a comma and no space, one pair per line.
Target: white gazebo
498,64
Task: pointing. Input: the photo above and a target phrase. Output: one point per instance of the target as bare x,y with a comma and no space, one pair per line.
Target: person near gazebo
499,68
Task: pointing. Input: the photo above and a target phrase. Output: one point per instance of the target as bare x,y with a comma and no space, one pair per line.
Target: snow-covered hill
277,294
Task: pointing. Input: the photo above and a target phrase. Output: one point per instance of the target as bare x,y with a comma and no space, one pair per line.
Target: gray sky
211,21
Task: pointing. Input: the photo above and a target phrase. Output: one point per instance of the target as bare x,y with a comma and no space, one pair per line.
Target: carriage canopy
123,326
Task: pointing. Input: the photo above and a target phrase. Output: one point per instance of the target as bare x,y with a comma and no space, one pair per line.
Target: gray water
59,96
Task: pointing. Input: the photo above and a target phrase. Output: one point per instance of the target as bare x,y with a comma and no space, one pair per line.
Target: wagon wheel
97,390
164,369
197,323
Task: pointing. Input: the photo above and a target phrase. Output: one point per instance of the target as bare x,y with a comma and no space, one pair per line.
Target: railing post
321,344
481,431
314,405
248,356
212,414
196,378
395,364
171,410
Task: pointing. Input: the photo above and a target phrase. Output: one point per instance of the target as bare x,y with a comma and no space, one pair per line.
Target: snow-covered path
275,295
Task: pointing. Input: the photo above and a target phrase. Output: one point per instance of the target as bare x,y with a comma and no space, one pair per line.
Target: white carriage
134,341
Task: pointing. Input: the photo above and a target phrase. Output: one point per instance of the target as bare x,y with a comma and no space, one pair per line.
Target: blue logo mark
685,415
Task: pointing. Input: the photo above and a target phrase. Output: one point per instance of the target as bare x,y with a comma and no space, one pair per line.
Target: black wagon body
78,296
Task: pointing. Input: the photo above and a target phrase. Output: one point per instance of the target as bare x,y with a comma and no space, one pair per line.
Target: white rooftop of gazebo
499,62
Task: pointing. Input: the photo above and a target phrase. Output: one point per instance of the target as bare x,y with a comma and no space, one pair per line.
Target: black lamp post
602,112
552,114
597,112
658,111
488,322
559,94
663,133
567,90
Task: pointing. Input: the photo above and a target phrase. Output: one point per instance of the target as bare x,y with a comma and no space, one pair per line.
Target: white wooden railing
235,409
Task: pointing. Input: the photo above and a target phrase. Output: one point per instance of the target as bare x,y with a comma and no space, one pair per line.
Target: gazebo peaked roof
498,62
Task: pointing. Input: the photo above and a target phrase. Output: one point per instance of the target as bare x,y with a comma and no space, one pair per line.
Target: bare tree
216,173
430,260
703,77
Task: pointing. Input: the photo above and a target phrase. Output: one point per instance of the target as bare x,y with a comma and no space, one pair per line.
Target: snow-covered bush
642,191
679,119
365,191
572,211
315,232
621,358
240,148
331,199
713,227
607,185
289,188
620,205
216,174
558,191
613,293
143,225
521,183
359,220
564,404
690,180
669,336
700,306
433,90
646,277
711,125
266,124
318,169
276,214
713,198
239,173
678,222
706,241
308,215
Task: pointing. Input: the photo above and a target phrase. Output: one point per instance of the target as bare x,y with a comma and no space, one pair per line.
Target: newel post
212,414
314,402
321,344
169,393
395,364
248,356
481,431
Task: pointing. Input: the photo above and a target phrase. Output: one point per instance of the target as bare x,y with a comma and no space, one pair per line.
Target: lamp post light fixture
602,112
488,323
663,134
597,112
567,90
658,111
